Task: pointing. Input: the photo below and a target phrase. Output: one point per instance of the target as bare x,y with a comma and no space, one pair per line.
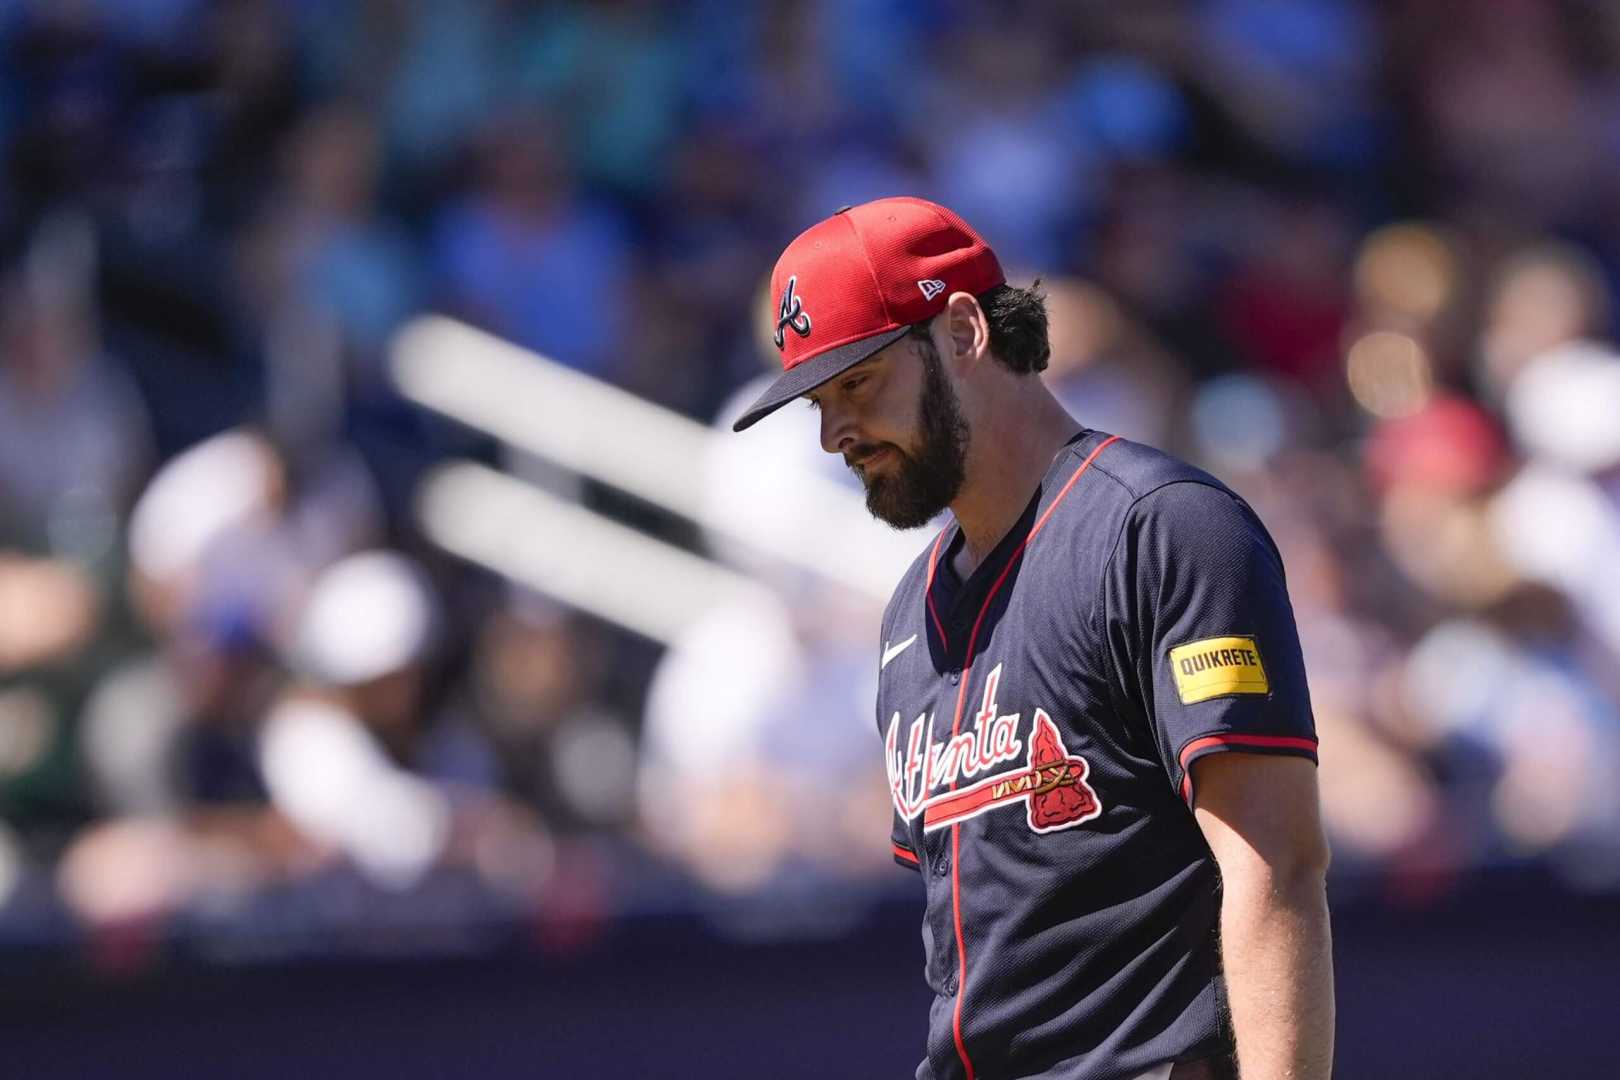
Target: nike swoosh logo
892,651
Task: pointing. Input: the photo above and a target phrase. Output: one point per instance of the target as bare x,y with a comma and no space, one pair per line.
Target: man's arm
1262,820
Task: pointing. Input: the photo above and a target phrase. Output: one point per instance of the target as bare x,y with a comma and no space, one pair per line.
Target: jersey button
942,865
950,984
956,677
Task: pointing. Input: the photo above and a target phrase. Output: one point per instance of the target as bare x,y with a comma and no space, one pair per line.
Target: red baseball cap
856,282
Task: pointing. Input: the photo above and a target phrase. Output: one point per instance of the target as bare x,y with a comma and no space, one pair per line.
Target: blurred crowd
1356,258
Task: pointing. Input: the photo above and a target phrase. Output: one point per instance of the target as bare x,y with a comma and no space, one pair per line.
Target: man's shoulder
1138,470
1168,503
1140,490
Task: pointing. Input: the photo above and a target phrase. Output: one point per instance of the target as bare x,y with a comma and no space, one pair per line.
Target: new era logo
931,287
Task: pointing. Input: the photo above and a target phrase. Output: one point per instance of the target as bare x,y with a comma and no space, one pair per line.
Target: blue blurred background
377,699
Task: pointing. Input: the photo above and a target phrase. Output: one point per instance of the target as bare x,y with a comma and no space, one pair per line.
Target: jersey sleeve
1201,631
900,843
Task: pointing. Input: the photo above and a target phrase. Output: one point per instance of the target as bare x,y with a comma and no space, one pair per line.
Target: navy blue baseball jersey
1039,720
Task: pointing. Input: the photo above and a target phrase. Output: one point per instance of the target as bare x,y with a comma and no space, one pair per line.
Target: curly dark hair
1018,328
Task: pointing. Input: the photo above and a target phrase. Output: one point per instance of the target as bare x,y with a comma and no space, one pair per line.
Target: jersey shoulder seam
1137,493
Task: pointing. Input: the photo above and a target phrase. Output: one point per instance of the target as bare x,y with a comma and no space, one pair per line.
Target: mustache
859,455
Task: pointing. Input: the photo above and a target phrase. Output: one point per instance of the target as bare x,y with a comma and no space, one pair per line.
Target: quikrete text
1218,658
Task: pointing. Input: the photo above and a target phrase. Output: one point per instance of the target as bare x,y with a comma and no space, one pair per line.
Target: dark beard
924,484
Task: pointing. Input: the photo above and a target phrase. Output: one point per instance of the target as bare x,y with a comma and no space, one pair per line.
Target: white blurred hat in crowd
197,498
367,616
1564,407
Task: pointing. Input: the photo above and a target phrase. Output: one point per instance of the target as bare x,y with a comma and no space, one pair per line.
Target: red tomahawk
1052,784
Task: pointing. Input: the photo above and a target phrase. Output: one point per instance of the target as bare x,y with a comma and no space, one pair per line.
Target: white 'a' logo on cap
931,287
791,314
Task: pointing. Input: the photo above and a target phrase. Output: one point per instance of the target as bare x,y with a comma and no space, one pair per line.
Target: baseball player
1091,699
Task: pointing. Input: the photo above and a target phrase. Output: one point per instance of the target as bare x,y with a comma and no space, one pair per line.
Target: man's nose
837,432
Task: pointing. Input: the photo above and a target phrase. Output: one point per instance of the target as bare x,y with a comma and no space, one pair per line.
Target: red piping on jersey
908,856
1281,742
928,590
956,723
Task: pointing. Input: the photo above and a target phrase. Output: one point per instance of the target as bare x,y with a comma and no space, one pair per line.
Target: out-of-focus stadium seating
1357,259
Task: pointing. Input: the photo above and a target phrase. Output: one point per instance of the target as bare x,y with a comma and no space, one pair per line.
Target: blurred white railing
571,553
598,430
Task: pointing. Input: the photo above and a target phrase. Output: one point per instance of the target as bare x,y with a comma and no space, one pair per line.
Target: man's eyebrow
853,368
856,368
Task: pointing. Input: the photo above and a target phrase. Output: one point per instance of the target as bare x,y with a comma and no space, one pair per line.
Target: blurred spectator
1561,409
73,445
1538,299
340,763
1297,75
323,253
1501,109
743,745
624,62
239,520
526,255
357,758
1108,371
536,682
996,164
73,434
1285,312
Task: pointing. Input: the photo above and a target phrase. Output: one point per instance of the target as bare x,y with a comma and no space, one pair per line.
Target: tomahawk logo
1053,785
931,287
791,314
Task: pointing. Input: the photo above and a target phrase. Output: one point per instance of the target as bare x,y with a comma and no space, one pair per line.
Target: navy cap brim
805,377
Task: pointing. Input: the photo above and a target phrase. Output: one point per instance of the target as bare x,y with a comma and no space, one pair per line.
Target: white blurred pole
539,405
601,431
573,554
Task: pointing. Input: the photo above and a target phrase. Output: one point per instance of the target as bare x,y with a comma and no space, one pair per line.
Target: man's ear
967,328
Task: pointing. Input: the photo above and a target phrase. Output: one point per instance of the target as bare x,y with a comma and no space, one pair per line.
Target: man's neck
1010,453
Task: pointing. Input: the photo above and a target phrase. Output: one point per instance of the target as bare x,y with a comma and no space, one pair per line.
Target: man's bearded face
926,478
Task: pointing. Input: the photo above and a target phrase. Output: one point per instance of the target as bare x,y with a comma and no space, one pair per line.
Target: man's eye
853,383
813,403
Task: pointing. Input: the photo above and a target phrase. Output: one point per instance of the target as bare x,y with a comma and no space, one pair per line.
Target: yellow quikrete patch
1216,666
